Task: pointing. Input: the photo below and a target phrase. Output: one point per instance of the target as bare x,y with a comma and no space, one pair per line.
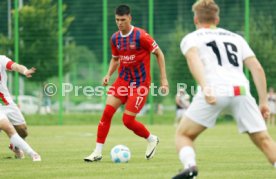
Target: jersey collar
132,27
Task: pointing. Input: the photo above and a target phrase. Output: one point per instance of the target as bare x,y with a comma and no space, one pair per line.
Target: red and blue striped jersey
133,51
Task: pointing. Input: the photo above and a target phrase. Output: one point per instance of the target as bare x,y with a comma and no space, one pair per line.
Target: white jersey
5,64
222,53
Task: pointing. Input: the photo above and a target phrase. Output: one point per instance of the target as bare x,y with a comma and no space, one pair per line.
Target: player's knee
9,129
263,140
184,132
22,131
128,120
108,112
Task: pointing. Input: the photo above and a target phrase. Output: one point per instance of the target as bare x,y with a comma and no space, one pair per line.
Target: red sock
104,124
137,127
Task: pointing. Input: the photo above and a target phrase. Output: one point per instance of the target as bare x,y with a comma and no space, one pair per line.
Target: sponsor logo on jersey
127,57
132,45
118,46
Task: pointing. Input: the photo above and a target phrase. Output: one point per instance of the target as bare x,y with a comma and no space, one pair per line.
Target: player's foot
95,156
36,158
151,148
189,173
19,154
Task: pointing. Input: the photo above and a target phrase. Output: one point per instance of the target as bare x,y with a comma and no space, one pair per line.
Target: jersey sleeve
246,50
148,43
186,43
114,50
6,63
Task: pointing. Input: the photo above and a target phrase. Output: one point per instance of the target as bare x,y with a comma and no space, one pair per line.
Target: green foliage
178,71
39,37
5,45
262,41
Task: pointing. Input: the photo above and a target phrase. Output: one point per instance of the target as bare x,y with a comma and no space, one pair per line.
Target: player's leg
199,116
250,120
18,121
266,144
16,140
112,104
21,130
135,102
186,132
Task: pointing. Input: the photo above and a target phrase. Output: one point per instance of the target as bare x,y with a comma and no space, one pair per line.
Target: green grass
221,153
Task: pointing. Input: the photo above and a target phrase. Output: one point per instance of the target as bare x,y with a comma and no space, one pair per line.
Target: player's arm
23,70
196,68
113,65
259,79
161,63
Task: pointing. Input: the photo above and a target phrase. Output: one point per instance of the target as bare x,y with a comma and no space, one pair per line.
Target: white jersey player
7,106
15,140
215,58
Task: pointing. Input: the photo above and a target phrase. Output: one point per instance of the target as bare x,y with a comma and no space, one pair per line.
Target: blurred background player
182,101
46,101
272,106
7,106
131,49
215,57
15,140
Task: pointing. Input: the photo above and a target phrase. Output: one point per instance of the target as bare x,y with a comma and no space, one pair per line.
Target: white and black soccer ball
120,154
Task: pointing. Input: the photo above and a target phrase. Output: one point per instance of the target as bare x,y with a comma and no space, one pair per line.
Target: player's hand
264,110
28,73
164,86
209,96
105,80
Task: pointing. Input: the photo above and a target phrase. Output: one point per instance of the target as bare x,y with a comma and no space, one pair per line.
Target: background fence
87,26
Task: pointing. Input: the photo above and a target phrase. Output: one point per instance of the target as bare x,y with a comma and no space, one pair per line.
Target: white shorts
13,113
243,108
2,116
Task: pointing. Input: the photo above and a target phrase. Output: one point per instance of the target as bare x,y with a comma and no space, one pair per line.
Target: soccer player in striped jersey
215,57
131,48
7,106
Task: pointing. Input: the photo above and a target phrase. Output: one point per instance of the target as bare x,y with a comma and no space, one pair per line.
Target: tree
177,68
262,41
38,23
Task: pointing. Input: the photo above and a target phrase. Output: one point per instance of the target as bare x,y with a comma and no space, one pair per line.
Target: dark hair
122,10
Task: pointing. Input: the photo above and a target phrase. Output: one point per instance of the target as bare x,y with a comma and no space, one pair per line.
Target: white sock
151,138
187,157
17,141
99,147
274,165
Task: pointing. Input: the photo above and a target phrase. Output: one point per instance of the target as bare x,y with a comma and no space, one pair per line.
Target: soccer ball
120,154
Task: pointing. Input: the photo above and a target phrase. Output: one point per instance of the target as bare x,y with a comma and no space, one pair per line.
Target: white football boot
151,148
93,157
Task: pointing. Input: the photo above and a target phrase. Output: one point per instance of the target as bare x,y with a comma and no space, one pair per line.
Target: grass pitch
221,153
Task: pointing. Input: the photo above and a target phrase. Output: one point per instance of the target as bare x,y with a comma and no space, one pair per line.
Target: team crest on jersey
132,45
118,46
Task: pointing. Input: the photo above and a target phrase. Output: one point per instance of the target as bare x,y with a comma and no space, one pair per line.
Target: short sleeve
148,43
186,43
114,50
246,50
6,63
